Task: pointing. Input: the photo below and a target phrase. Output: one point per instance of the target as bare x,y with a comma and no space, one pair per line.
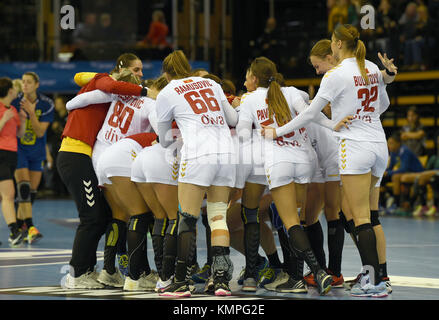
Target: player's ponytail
267,77
176,65
351,37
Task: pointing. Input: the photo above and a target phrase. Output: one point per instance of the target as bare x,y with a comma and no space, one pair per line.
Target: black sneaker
221,285
177,289
323,281
292,286
16,238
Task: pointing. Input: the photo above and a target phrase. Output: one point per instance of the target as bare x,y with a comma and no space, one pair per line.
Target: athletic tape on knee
23,191
216,214
249,216
374,218
187,223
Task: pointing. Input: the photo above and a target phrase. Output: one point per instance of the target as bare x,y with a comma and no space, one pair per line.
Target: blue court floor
34,272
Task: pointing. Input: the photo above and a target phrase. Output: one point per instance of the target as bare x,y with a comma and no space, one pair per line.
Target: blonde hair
17,84
351,37
176,65
160,83
267,77
127,76
321,49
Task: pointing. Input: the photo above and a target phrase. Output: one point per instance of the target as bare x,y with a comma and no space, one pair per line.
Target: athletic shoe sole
185,294
222,293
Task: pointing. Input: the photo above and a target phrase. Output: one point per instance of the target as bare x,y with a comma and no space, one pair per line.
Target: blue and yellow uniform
31,149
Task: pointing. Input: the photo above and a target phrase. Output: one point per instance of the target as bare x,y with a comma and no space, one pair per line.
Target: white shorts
360,157
98,150
322,175
117,159
155,164
284,173
209,170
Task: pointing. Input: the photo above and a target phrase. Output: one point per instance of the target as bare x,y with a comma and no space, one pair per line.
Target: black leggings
76,171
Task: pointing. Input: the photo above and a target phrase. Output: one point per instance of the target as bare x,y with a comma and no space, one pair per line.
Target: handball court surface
34,272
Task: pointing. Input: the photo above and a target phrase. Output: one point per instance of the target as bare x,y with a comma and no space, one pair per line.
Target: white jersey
344,87
254,109
324,143
126,116
195,104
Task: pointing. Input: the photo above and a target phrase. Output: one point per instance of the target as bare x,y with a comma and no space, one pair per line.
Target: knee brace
216,214
23,191
140,223
374,218
249,216
187,223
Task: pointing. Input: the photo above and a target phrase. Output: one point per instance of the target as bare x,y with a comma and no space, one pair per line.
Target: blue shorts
25,160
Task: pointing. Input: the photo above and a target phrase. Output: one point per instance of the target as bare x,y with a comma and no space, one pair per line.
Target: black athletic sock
122,243
29,223
111,242
274,260
251,239
367,248
335,245
13,227
300,245
283,240
137,245
186,245
383,270
169,249
316,240
208,239
20,223
158,237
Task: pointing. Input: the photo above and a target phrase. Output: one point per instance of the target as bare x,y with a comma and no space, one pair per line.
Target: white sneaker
161,284
364,288
145,282
113,280
86,281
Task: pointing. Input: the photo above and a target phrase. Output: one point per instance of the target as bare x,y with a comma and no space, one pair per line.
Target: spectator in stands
157,33
267,44
338,14
53,181
420,181
410,38
402,160
86,31
106,31
413,134
385,32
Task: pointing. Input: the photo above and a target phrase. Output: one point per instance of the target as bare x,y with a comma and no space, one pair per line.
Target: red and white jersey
344,87
254,109
127,115
196,105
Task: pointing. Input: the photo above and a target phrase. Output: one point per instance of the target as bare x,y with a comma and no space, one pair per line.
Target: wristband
144,92
390,73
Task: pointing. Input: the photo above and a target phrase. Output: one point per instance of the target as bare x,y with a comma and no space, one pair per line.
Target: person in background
31,150
12,124
402,160
157,33
413,134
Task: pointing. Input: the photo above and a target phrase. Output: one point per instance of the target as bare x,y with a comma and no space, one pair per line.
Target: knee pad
140,223
187,223
23,191
159,228
249,216
216,214
374,218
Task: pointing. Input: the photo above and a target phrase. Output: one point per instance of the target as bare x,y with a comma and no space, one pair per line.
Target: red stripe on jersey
145,139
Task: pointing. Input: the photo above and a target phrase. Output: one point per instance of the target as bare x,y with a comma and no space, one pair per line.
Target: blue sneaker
122,261
261,269
202,275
